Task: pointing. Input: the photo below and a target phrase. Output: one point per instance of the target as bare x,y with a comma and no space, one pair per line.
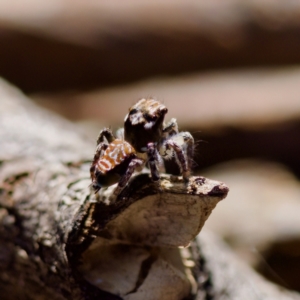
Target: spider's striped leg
135,163
154,160
98,153
189,144
105,135
183,146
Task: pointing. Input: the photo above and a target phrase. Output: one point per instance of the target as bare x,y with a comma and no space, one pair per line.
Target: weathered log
54,230
60,241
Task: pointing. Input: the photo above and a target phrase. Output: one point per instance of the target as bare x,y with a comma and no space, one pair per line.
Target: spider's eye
151,118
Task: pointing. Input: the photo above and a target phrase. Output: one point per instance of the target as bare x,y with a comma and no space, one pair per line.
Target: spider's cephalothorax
114,161
145,130
144,123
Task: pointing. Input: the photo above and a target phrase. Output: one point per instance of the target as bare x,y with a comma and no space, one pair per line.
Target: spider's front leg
182,144
154,160
134,163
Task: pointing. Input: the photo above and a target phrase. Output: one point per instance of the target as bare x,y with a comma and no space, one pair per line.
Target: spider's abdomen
115,154
115,160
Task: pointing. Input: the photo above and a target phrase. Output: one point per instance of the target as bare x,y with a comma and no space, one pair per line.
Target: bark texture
50,217
60,241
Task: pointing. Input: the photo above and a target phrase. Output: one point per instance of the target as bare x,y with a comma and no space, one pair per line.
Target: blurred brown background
229,71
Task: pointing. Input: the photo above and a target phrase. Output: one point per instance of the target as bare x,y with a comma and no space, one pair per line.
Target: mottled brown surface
49,216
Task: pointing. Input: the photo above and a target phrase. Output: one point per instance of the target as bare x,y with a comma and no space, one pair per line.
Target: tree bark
61,241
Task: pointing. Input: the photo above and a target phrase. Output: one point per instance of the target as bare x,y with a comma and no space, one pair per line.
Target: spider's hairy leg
179,155
182,144
153,160
105,134
170,128
135,163
98,153
188,141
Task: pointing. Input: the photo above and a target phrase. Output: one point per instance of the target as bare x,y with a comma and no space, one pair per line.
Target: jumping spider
145,130
147,139
115,160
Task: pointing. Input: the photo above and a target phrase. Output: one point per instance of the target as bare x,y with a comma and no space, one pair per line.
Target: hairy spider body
114,161
144,124
147,140
145,130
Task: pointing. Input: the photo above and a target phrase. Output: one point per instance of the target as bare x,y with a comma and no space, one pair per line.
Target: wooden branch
54,230
141,222
61,241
